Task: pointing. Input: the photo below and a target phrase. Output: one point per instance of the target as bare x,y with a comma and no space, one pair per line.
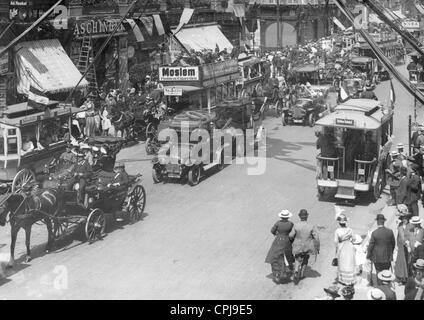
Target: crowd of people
355,256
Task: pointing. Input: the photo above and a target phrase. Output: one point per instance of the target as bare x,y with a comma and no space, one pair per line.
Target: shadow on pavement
281,150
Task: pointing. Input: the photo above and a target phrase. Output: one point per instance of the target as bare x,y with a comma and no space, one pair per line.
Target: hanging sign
172,91
179,74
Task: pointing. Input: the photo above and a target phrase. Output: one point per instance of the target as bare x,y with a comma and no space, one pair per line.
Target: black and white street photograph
211,150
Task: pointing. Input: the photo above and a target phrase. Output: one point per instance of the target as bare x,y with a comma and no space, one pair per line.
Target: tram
352,158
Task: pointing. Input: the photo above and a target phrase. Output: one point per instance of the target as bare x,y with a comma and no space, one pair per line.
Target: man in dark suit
381,245
415,286
401,192
413,191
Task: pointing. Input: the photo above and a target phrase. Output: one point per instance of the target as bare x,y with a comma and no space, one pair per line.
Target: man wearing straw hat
281,248
376,294
416,236
415,285
387,277
381,246
393,176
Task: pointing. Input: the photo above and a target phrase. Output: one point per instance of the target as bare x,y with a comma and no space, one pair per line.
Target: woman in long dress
106,124
281,248
345,252
403,238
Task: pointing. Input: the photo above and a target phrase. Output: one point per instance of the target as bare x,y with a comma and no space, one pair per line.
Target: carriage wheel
95,225
137,202
23,177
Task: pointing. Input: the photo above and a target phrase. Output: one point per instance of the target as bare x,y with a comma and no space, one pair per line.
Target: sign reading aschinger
179,74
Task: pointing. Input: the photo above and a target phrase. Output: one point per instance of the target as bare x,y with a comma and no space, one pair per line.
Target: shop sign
97,27
179,74
24,10
410,24
220,69
4,63
172,91
345,122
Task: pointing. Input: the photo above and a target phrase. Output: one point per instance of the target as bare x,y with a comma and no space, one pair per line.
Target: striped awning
44,65
145,28
419,7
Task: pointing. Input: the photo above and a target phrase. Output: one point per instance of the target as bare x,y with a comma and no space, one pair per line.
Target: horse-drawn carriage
56,201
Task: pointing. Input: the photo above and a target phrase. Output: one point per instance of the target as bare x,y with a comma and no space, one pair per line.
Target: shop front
111,68
199,87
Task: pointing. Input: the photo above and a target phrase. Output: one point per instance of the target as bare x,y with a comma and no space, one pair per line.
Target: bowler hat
386,275
380,217
285,214
419,264
333,290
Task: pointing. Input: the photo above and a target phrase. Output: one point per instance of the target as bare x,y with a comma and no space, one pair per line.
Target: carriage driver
121,177
82,171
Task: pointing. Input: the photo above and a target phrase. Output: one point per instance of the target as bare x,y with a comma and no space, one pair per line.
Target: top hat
380,217
376,294
386,275
333,290
285,214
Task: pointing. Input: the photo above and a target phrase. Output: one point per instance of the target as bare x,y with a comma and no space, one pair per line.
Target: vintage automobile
179,159
305,111
354,144
316,76
365,65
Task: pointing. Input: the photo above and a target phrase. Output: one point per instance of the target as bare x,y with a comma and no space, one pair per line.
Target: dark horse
123,121
25,210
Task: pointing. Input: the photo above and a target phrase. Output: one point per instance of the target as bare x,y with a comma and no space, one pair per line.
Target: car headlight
76,186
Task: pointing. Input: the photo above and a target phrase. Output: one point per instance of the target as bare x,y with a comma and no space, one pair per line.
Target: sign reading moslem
179,74
345,122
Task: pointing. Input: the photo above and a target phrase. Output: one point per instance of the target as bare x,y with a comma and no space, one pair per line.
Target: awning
201,38
45,65
419,7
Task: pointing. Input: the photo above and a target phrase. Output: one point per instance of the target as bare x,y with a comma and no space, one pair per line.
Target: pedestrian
106,123
403,184
345,252
381,246
306,243
360,254
403,239
387,277
376,294
281,248
393,176
413,191
416,236
331,293
415,286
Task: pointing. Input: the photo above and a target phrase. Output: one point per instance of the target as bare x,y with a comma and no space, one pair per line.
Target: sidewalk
362,287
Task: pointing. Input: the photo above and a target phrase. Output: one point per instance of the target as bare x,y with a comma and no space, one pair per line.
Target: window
12,145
